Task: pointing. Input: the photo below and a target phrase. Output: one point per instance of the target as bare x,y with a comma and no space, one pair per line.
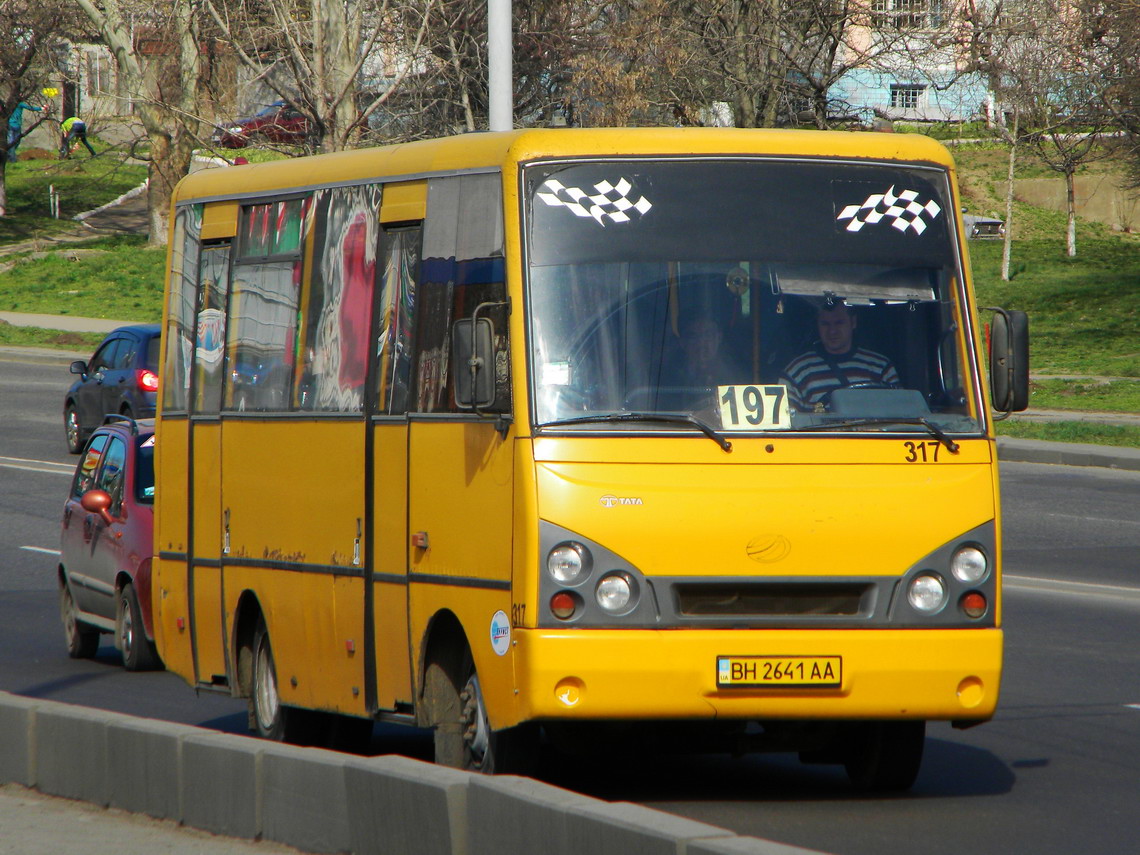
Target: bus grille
774,600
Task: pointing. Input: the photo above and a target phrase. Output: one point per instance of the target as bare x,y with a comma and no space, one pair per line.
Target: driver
835,362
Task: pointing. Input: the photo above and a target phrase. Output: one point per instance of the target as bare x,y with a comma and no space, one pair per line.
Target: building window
99,73
907,96
908,14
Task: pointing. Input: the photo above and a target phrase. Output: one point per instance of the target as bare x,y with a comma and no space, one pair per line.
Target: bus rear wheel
462,733
884,756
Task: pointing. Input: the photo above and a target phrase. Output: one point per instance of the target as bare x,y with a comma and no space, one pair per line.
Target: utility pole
499,66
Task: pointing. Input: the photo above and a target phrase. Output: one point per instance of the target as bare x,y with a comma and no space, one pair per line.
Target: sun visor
854,283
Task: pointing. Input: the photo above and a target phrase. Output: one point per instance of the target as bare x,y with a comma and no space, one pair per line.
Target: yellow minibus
567,436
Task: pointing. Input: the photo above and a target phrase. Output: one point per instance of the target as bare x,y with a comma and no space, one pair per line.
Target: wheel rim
265,688
72,426
476,731
126,626
67,612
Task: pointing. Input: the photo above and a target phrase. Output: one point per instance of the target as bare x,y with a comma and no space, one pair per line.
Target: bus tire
268,717
462,735
885,756
130,633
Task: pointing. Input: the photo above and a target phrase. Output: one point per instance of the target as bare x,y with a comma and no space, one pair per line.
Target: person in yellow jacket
73,129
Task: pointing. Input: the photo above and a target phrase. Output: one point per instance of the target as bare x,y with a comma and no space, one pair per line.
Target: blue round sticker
500,633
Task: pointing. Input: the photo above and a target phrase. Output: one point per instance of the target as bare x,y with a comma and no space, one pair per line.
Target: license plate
745,671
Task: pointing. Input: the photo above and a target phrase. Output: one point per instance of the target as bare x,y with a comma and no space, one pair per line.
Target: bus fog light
969,565
614,593
973,604
927,593
563,605
568,563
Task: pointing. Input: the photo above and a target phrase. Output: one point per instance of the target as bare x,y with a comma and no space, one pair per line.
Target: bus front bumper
678,674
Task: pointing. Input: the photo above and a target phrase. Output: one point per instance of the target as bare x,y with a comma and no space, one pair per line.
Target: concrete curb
321,801
1067,453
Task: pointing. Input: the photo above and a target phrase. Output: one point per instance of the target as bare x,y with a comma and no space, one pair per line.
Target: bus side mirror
1009,361
474,361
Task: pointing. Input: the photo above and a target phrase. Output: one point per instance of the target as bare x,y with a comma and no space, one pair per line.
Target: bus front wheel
463,736
268,717
884,756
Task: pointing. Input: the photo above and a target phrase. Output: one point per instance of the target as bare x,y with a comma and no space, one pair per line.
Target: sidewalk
33,823
1009,449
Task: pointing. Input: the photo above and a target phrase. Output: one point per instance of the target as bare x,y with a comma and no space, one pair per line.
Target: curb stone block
745,846
516,814
70,751
304,799
397,804
17,721
144,766
622,827
220,783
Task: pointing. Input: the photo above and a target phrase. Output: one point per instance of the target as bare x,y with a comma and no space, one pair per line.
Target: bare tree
1046,69
164,94
754,63
1114,48
316,54
33,29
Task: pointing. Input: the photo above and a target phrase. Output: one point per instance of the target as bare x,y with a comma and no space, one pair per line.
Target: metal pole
499,66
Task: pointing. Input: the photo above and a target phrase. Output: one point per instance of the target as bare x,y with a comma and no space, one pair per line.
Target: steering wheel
866,384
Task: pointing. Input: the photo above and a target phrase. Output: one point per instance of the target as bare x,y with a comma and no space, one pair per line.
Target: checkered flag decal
609,202
903,211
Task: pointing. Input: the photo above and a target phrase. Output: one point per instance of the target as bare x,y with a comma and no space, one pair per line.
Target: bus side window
333,350
462,268
397,307
261,331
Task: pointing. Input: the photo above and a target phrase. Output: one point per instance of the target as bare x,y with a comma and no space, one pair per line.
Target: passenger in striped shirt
835,362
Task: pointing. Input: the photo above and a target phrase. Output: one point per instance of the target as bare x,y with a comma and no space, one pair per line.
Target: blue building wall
866,93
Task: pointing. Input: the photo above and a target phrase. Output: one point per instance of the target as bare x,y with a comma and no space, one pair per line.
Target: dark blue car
121,378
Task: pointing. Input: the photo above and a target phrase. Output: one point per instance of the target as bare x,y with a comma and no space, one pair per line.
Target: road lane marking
37,465
1082,518
1061,586
41,549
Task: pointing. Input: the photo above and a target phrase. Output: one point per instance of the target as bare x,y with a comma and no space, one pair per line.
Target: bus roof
491,151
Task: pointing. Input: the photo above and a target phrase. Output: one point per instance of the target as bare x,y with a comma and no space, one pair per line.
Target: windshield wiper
673,418
934,430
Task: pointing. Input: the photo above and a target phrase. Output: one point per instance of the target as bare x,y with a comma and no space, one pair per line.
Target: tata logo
610,501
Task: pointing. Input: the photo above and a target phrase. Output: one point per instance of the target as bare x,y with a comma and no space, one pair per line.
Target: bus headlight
926,593
615,593
969,565
568,563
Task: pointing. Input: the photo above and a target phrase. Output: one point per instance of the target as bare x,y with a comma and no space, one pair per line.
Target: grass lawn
1084,312
82,184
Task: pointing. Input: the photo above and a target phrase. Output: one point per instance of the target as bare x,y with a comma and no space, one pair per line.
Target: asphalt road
1055,772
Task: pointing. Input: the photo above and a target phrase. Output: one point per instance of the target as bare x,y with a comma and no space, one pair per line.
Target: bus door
460,466
388,514
204,578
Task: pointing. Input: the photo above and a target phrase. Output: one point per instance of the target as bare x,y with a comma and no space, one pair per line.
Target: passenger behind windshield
835,362
703,363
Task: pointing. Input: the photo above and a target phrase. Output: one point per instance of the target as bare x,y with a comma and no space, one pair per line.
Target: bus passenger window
334,337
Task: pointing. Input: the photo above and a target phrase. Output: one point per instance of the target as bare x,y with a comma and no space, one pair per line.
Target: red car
105,544
277,123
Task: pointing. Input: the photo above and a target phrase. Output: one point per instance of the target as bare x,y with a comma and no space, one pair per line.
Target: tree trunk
1007,242
3,186
1071,201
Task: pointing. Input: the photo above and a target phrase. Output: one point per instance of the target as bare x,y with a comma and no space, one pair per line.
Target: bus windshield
748,293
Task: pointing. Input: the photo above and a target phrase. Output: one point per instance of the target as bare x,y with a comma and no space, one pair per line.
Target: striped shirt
809,377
